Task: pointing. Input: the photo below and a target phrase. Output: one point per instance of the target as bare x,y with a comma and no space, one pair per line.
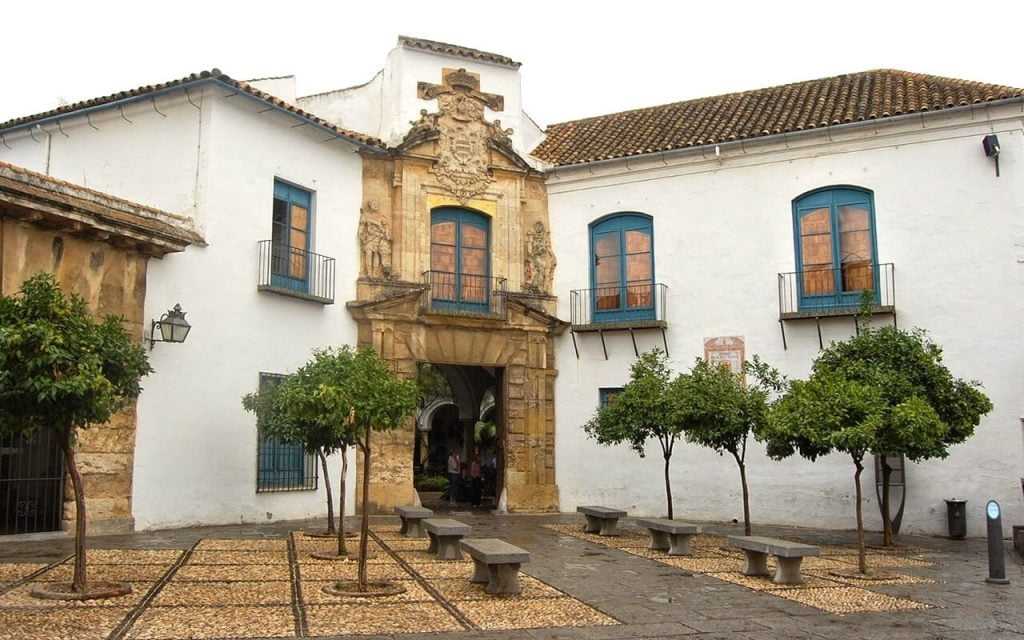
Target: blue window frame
622,268
836,255
460,259
282,466
290,237
607,394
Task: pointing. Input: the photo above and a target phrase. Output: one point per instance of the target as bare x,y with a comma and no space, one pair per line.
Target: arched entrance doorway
457,456
504,370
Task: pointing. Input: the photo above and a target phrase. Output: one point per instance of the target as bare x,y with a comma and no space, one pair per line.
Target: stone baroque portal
456,158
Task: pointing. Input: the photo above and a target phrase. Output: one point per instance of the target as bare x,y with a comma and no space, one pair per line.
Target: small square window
607,394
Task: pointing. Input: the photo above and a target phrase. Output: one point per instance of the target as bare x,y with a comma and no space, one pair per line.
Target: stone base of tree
353,554
93,591
374,589
324,533
872,574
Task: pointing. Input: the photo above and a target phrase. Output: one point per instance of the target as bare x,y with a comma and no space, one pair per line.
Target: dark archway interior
457,456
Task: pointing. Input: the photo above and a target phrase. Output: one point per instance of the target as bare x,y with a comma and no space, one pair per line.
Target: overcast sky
578,58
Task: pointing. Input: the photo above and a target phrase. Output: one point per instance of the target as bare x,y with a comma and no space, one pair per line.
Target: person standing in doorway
453,475
476,483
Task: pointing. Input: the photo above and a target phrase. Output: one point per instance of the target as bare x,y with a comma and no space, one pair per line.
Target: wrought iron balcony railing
824,292
628,306
295,272
466,294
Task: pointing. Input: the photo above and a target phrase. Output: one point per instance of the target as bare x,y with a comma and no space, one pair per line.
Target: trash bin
956,514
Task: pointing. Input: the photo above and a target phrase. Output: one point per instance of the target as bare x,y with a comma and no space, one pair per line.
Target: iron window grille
31,483
282,466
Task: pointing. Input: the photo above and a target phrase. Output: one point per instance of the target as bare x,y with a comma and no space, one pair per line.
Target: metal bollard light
996,554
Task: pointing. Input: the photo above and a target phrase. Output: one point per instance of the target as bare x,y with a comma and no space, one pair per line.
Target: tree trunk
668,486
342,549
327,486
862,560
746,496
365,523
78,580
887,537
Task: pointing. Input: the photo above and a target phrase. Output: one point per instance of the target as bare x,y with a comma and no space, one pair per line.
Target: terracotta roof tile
456,50
22,190
843,99
213,75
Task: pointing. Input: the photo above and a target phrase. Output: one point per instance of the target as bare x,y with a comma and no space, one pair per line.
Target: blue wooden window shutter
836,248
622,268
291,232
460,259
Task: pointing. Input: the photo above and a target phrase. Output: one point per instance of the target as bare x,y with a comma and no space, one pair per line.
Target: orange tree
724,410
63,370
885,391
649,407
378,400
310,408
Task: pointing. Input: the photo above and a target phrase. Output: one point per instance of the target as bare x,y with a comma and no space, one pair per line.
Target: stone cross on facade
455,81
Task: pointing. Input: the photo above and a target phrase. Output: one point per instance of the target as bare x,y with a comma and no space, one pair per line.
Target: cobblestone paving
651,598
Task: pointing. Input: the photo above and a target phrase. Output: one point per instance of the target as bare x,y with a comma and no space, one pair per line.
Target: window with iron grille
282,466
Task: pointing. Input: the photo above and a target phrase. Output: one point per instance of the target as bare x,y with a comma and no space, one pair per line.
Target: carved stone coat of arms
463,135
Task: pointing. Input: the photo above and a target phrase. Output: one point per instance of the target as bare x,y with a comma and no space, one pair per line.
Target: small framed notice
729,350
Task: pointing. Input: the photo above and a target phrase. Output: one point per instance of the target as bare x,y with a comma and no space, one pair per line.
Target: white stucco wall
723,230
386,106
196,449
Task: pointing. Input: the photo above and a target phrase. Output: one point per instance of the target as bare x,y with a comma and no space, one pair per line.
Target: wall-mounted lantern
172,325
990,144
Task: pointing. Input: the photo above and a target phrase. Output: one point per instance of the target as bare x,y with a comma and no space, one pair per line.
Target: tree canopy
723,410
885,391
309,407
60,367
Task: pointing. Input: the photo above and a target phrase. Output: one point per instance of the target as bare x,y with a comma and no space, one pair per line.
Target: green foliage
823,414
898,398
378,399
646,408
722,410
884,391
310,407
432,383
61,368
430,483
484,431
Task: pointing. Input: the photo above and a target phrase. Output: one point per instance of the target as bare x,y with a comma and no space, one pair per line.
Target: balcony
466,294
836,292
628,307
294,272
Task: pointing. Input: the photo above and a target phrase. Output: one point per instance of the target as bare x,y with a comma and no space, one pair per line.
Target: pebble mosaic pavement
223,588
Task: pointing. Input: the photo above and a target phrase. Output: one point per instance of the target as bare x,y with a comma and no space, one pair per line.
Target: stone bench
445,535
788,556
496,563
672,536
601,520
411,519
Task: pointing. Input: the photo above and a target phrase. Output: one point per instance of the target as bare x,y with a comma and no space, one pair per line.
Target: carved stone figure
375,243
540,260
